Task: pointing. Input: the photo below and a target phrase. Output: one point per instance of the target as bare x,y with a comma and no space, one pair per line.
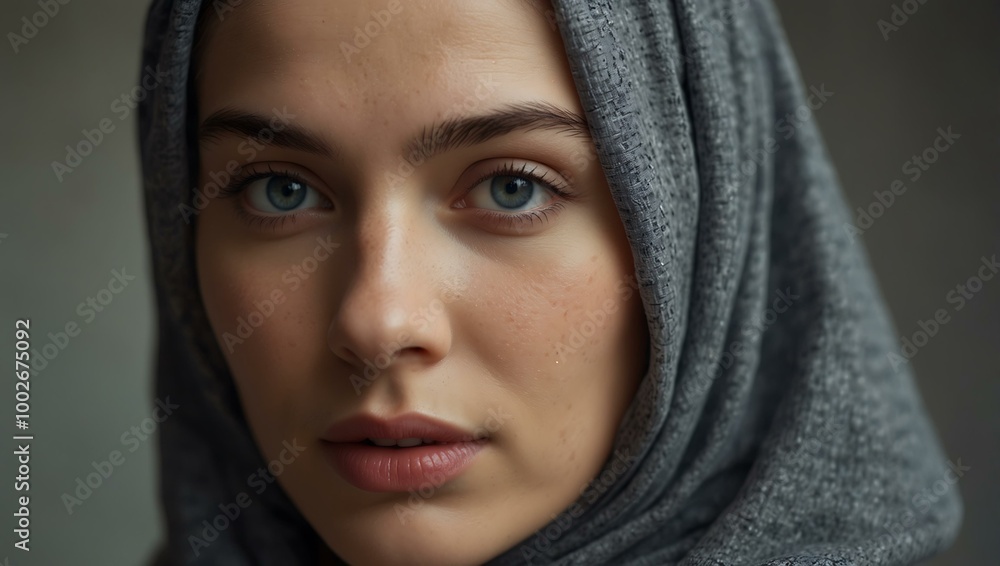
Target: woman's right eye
282,194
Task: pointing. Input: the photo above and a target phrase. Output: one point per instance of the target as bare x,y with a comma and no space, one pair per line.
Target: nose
393,309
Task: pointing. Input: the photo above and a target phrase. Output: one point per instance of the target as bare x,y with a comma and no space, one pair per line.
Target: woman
457,283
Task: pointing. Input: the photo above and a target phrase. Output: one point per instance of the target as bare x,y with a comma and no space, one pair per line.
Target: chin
449,541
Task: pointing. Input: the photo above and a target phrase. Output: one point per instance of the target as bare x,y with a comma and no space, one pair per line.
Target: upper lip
411,425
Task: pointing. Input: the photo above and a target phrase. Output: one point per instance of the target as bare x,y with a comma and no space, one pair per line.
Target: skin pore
424,206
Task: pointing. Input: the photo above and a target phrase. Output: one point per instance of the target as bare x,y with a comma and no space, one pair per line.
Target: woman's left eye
281,194
509,193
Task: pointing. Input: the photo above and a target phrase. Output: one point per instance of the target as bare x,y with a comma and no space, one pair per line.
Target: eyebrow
450,134
237,122
467,131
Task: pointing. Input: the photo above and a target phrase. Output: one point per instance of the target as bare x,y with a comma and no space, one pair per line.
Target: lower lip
377,468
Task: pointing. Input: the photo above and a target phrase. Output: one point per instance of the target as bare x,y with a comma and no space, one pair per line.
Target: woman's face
417,237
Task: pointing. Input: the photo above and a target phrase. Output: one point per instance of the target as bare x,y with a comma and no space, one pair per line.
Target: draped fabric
772,427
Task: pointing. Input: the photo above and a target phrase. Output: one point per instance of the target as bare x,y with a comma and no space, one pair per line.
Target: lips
424,451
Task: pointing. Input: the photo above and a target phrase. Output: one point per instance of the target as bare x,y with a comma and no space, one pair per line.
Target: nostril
347,355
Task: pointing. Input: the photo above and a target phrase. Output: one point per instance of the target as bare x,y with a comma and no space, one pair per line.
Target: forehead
381,58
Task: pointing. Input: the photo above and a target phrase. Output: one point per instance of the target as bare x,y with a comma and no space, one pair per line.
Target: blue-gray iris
285,193
511,192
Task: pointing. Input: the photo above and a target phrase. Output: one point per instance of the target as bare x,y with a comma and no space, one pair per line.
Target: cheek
268,324
559,331
570,343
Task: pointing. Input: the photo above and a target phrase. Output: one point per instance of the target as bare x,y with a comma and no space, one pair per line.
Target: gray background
64,238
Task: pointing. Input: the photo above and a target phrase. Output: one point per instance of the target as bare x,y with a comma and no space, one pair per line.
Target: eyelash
241,180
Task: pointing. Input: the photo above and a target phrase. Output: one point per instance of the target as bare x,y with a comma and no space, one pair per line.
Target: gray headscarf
773,427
